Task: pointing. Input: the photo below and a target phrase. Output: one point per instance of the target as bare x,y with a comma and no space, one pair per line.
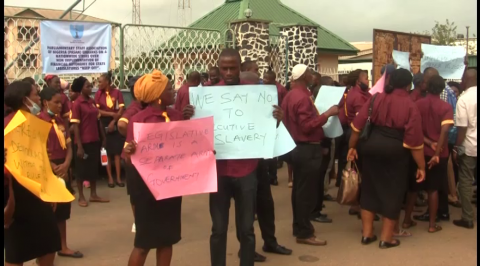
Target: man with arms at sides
305,126
214,76
236,179
466,149
270,78
251,66
183,94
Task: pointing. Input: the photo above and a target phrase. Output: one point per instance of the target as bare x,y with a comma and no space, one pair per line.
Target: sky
352,20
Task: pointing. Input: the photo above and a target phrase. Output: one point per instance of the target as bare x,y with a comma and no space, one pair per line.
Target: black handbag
368,125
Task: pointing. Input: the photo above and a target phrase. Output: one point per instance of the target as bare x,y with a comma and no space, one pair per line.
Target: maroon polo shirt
301,117
435,113
395,110
65,106
183,97
356,98
151,115
54,149
416,95
236,168
131,110
117,99
282,92
86,114
342,111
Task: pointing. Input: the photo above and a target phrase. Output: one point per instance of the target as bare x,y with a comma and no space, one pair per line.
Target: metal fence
279,57
174,50
22,53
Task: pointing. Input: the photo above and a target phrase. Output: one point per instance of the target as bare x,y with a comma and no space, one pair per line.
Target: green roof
278,14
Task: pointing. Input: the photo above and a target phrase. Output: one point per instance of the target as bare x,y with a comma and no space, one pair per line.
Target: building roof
278,14
12,11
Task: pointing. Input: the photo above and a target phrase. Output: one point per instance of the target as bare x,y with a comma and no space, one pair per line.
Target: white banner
75,47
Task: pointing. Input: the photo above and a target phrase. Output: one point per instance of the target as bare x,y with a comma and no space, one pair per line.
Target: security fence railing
279,57
22,53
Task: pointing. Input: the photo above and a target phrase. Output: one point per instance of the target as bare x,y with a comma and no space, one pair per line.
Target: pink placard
379,86
176,158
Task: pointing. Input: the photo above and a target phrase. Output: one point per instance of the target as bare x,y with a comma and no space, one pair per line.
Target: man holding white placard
305,126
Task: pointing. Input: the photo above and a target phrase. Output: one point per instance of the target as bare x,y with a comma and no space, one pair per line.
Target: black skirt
87,169
62,213
385,168
157,223
115,140
34,232
129,174
435,177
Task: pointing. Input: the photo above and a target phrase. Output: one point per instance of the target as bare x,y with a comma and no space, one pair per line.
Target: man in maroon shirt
236,179
214,77
304,123
183,94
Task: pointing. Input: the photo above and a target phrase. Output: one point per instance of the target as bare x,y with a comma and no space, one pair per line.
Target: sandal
111,185
83,203
409,225
402,233
76,255
436,228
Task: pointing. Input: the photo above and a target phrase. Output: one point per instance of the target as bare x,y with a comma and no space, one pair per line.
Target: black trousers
264,206
341,151
271,167
243,190
306,163
321,183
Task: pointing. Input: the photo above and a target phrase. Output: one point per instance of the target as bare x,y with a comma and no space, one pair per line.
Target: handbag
368,125
349,190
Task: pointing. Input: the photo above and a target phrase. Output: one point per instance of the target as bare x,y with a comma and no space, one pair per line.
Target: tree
444,34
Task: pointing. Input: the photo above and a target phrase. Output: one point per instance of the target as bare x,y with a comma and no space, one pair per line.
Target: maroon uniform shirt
282,92
356,98
395,110
416,95
86,114
131,110
54,149
435,113
301,117
235,168
66,108
117,100
342,112
183,97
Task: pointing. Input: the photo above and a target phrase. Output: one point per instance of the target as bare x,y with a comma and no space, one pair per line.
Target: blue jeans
243,190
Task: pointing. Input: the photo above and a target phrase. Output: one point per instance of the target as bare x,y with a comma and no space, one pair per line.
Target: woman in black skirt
158,223
89,133
134,107
32,232
110,104
437,119
396,132
59,148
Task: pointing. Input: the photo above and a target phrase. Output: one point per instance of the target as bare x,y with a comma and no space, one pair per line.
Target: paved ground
102,233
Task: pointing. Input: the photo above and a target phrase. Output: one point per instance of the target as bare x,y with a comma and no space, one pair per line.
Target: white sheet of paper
448,60
327,97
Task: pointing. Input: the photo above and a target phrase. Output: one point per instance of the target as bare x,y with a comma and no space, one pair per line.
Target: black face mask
363,86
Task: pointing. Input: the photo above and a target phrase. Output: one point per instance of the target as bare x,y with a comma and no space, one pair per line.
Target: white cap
298,71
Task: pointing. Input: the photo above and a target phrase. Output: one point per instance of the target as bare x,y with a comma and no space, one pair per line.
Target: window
27,60
26,33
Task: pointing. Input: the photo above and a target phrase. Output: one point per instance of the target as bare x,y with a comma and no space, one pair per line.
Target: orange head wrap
149,87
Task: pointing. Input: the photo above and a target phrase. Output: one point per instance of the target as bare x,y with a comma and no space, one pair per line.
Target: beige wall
328,65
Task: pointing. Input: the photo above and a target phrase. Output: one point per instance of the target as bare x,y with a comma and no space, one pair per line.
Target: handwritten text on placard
244,126
176,159
25,139
448,60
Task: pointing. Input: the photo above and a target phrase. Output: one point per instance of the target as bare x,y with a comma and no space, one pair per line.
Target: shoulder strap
370,108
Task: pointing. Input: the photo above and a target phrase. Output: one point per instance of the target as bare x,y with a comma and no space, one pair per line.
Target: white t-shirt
466,116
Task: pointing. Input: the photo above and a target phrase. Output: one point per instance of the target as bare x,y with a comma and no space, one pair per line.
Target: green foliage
444,34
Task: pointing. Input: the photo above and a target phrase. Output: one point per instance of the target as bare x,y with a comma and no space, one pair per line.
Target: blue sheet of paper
402,59
283,142
244,127
448,60
327,97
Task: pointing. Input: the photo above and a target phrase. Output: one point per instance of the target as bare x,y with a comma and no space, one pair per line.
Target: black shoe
120,184
463,223
274,182
368,240
281,250
425,217
322,219
318,214
328,198
385,245
257,258
444,217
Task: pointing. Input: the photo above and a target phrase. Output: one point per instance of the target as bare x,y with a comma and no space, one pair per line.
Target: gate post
252,39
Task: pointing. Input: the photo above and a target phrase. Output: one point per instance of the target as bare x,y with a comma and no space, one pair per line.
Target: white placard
75,47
